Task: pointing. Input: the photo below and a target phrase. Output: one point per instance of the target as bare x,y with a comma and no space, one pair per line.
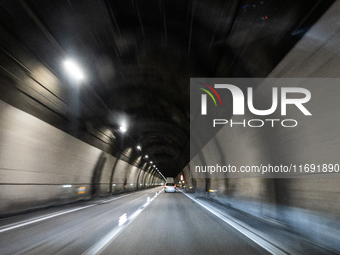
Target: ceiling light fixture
122,129
73,69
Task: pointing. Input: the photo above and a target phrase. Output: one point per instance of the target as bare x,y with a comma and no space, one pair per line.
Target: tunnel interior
137,58
124,125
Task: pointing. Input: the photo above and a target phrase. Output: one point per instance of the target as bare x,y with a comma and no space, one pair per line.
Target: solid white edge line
49,216
103,243
18,225
258,240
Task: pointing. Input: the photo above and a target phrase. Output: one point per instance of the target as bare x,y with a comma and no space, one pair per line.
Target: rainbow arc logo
213,90
204,97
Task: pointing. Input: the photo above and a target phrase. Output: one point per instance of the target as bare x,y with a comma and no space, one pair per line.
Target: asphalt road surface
132,223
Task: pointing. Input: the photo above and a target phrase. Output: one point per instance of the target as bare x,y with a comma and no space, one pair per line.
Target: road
155,223
173,224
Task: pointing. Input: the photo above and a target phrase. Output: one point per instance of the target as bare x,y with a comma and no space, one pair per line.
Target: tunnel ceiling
137,57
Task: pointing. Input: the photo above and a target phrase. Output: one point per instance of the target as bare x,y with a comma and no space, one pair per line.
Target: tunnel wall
309,207
37,160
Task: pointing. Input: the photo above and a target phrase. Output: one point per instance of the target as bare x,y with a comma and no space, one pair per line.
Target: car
169,187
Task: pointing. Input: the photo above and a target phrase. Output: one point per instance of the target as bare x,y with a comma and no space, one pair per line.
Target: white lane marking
260,241
122,219
106,201
47,242
49,216
100,246
31,221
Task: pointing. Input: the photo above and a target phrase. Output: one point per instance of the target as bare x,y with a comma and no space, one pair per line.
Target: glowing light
151,162
73,69
146,156
139,148
211,190
81,190
67,186
122,129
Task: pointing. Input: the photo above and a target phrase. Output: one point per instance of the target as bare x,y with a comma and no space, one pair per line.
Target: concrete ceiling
137,57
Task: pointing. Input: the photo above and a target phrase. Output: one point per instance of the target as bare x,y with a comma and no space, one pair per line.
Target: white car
169,187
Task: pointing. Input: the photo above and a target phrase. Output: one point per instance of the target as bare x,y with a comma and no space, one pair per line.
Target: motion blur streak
244,230
25,223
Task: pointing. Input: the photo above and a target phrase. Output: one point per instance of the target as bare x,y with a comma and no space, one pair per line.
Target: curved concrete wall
309,207
106,175
41,165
